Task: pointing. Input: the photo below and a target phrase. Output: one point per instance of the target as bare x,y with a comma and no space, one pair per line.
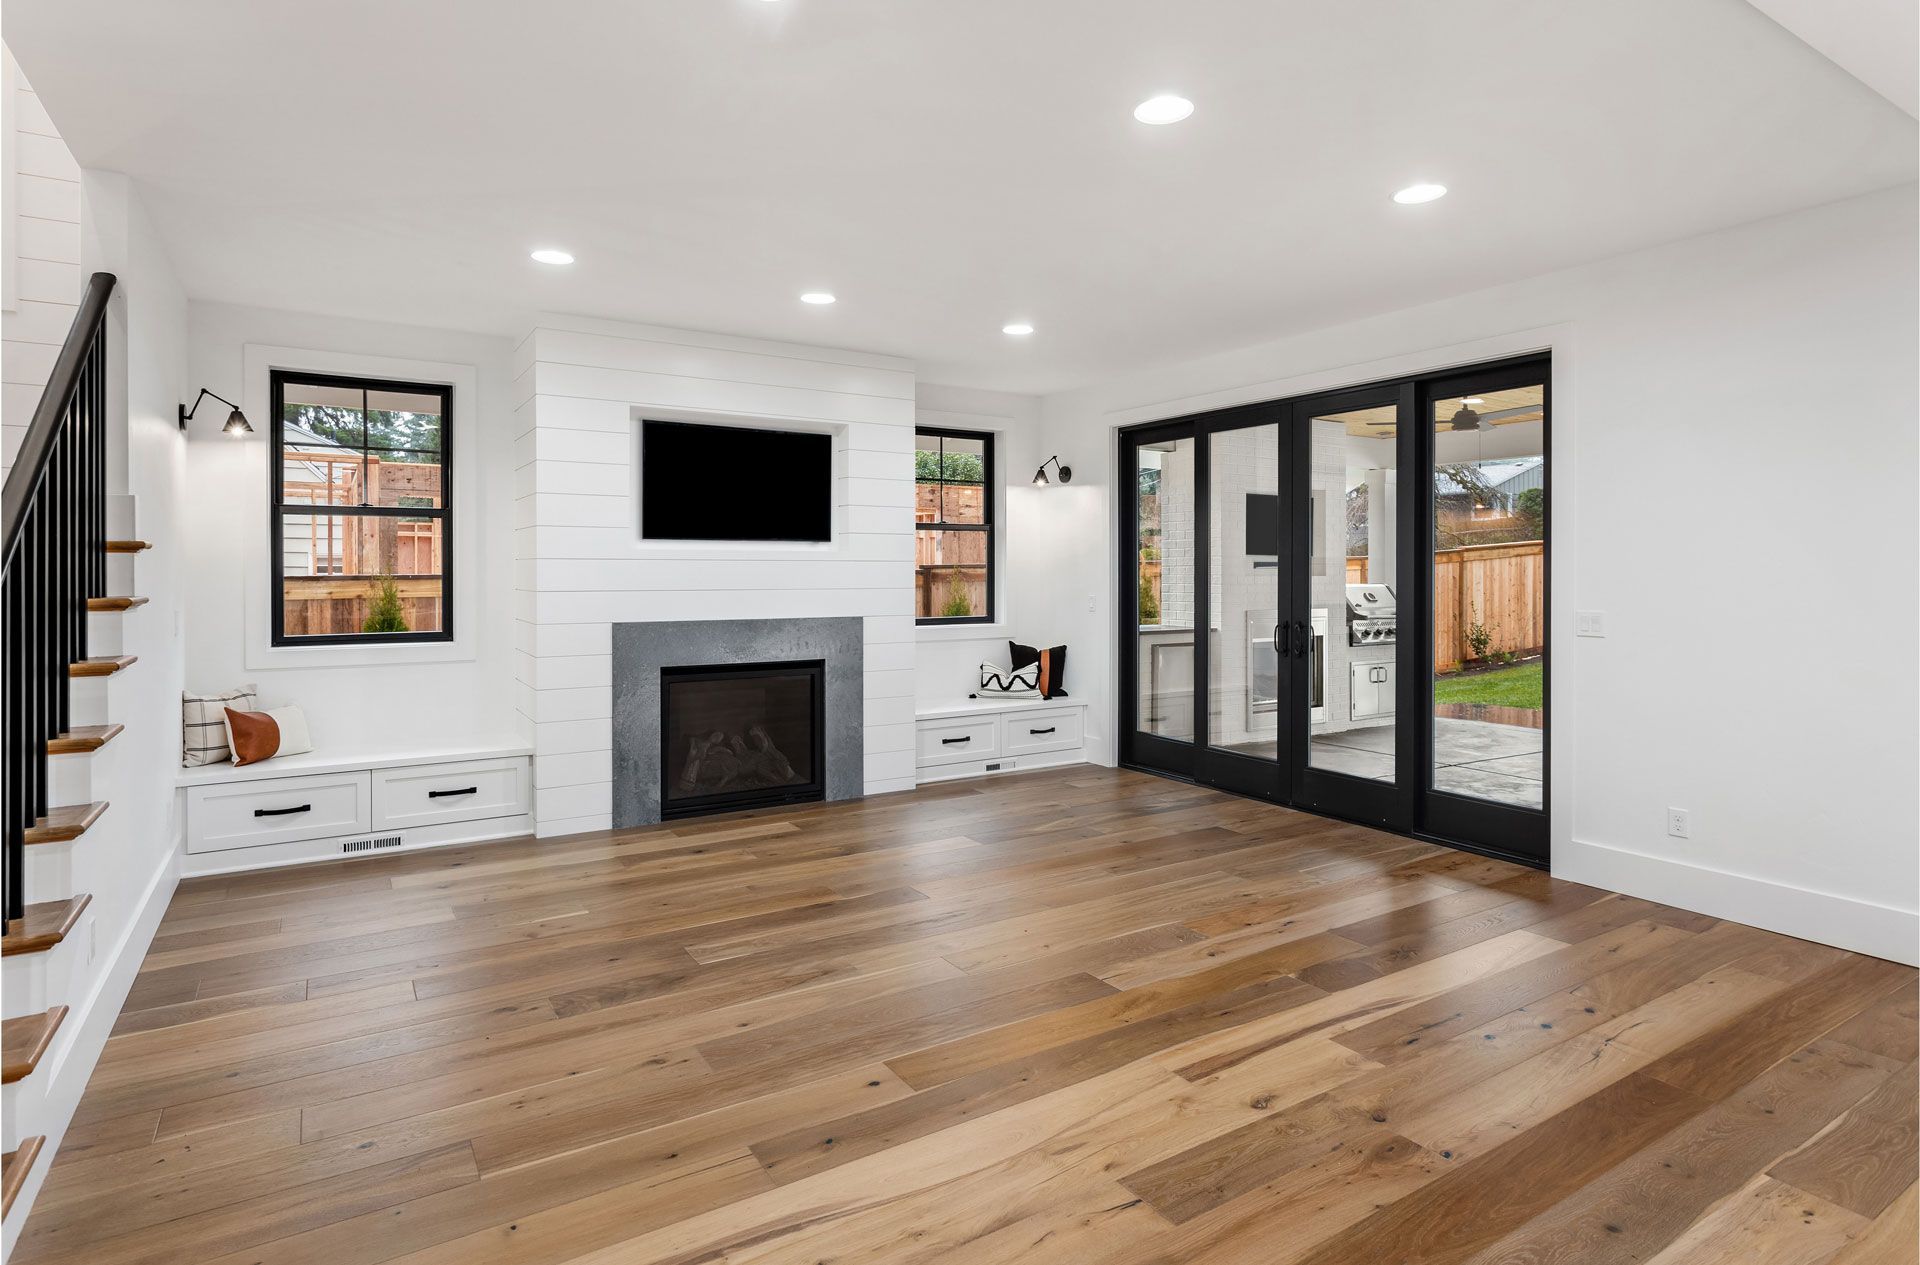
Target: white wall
948,660
39,253
1735,447
359,700
579,387
127,860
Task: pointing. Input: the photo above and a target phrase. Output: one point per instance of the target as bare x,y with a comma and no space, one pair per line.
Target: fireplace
741,735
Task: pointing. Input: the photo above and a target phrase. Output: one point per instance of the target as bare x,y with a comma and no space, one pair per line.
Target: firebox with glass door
1339,602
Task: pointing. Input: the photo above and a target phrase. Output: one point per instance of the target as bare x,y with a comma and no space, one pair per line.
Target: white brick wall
41,255
580,566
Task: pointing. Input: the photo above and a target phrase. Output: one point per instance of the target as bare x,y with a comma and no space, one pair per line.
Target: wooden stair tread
127,546
24,1040
44,925
62,824
103,666
114,603
83,738
14,1167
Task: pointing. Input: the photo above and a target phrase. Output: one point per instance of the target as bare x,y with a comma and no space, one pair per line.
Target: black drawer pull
465,790
1049,729
281,812
948,742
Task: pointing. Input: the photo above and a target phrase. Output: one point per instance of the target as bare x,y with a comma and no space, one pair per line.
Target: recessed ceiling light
1019,329
550,256
1165,108
819,298
1415,194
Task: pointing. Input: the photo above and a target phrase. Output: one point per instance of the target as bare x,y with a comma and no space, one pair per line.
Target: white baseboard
273,856
1843,921
90,1021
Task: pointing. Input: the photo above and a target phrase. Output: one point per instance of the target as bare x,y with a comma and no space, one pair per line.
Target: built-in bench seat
975,736
327,804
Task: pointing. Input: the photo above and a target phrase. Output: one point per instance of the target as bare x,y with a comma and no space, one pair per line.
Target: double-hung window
362,518
953,527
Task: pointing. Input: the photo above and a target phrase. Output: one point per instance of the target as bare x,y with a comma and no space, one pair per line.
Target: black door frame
1390,806
1482,825
1410,805
1138,749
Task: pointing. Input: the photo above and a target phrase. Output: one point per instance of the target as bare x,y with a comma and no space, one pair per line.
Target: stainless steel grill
1371,615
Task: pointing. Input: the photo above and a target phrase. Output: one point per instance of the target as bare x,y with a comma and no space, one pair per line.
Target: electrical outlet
1589,624
1090,603
1678,822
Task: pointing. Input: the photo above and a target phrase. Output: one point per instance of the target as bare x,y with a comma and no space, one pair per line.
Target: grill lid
1370,601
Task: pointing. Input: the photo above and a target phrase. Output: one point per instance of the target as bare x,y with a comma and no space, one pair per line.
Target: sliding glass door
1484,673
1353,755
1339,602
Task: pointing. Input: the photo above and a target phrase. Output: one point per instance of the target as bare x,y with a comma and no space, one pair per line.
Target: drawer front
1054,729
951,741
281,810
428,794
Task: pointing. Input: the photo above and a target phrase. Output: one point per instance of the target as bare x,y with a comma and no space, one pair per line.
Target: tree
384,613
1530,507
961,467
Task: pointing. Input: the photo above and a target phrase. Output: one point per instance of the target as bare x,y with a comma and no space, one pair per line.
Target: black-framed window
953,518
362,510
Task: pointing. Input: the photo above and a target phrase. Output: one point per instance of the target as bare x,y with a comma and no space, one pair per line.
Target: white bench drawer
1051,730
279,810
427,794
952,741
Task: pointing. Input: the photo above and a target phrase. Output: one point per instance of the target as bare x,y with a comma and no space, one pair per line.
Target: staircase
56,593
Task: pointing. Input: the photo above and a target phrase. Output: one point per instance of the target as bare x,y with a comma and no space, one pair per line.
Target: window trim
990,508
277,508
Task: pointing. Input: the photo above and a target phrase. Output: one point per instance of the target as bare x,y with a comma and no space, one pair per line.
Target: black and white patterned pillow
995,679
203,724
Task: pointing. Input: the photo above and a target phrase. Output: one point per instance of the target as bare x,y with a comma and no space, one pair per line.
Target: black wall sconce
237,423
1040,479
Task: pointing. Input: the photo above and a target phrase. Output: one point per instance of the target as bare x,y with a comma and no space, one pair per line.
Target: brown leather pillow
255,736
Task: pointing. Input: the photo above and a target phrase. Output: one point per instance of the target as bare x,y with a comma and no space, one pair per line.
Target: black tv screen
734,483
1263,525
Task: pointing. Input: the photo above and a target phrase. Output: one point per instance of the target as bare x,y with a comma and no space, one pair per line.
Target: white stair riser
106,633
50,871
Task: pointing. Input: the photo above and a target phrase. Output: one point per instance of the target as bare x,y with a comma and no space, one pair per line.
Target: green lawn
1504,687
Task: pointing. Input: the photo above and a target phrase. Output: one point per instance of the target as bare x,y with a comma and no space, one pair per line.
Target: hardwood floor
1070,1016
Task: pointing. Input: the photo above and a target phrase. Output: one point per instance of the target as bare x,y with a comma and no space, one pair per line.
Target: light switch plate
1589,624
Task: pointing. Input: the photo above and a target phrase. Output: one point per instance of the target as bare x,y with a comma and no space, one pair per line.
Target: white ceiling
944,166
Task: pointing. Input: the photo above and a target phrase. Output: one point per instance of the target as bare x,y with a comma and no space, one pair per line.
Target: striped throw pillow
203,724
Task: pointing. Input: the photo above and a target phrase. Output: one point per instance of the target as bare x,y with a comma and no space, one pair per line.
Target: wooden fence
317,605
1501,587
933,586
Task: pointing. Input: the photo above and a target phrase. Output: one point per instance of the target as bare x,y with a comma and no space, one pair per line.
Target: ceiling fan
1469,419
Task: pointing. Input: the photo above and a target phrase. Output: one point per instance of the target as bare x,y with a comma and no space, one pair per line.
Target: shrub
384,614
958,605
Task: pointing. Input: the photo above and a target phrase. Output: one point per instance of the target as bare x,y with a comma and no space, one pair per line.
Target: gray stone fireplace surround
641,650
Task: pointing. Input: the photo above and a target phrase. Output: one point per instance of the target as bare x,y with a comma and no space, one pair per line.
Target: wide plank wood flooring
1070,1016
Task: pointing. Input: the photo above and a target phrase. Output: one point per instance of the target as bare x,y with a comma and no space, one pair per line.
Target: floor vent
367,845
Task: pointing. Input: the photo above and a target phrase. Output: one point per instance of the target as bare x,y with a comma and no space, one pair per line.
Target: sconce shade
237,424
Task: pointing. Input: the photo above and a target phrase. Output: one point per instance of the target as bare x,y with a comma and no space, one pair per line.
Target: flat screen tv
1263,525
734,483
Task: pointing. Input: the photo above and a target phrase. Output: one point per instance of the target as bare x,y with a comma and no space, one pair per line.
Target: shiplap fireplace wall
580,388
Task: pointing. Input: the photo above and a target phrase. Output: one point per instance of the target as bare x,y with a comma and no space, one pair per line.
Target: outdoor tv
1263,525
734,483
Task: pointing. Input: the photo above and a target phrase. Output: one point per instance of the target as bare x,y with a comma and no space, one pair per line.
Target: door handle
281,812
1301,637
1280,639
465,790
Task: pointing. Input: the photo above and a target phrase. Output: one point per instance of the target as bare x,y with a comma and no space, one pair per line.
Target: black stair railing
55,551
